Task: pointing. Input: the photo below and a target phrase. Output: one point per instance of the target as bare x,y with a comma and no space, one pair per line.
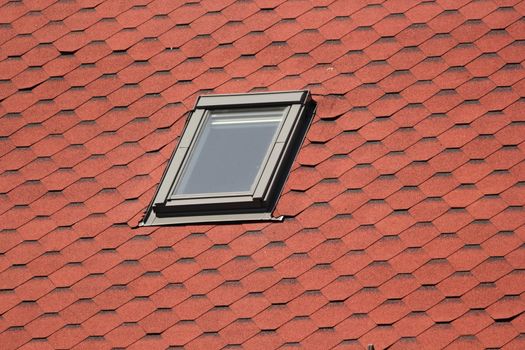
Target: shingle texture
404,209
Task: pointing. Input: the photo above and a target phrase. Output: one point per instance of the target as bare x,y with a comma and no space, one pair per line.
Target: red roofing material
404,209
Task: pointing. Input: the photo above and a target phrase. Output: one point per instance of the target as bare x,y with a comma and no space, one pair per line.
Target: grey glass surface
230,151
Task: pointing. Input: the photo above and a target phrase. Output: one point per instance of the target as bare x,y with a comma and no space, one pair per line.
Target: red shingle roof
405,208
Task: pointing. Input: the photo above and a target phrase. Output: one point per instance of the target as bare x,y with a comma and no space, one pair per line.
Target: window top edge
246,99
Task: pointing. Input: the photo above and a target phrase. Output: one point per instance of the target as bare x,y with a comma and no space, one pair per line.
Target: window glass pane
230,151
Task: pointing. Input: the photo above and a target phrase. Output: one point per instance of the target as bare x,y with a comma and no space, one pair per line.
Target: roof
404,209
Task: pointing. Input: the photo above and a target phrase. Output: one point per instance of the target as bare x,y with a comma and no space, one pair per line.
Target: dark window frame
256,205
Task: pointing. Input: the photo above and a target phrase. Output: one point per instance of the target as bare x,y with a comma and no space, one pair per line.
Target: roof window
232,159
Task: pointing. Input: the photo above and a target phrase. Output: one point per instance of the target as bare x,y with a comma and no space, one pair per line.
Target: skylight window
232,159
230,151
